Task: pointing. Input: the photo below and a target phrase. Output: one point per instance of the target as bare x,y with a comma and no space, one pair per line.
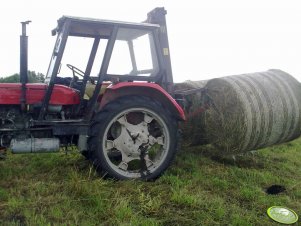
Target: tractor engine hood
10,93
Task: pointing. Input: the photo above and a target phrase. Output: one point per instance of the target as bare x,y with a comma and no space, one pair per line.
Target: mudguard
151,90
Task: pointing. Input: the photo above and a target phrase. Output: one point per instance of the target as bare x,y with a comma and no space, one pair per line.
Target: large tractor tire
133,137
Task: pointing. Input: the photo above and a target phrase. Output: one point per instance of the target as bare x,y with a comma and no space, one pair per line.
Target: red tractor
124,119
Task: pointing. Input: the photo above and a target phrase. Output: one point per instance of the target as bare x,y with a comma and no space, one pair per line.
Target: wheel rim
136,142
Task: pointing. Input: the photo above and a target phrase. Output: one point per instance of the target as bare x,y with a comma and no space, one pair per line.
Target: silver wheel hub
135,142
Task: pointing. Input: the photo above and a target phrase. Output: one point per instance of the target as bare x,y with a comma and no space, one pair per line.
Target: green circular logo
282,214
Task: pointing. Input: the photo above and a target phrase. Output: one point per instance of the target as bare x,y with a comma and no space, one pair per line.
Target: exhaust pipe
34,145
23,64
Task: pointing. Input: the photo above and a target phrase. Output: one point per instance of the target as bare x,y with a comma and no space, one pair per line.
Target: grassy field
198,189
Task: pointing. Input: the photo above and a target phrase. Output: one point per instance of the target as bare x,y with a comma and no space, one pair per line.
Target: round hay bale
252,111
189,85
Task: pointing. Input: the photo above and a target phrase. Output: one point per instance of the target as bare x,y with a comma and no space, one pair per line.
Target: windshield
134,53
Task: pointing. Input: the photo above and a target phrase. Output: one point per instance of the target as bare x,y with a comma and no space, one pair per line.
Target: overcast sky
208,39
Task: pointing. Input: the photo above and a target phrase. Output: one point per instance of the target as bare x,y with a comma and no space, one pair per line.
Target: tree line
33,77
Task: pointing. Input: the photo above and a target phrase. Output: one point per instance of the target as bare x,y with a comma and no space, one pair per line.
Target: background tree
33,77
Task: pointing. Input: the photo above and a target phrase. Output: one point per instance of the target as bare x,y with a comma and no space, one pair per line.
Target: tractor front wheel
133,138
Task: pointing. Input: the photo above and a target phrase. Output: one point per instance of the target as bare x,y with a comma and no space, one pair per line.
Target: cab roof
90,27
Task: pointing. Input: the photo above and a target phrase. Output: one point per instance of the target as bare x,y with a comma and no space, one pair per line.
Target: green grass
198,189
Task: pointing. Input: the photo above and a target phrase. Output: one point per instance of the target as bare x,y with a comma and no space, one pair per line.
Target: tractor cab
84,42
90,54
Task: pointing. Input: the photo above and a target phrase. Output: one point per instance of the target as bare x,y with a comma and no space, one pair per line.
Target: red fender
151,90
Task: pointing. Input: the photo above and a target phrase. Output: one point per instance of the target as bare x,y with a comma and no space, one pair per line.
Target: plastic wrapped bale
194,127
253,111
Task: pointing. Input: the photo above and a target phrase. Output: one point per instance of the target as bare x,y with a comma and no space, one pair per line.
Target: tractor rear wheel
133,137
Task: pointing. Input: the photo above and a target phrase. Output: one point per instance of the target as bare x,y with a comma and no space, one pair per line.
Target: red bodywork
10,93
151,90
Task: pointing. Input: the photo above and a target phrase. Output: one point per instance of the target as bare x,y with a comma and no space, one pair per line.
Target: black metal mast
157,16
